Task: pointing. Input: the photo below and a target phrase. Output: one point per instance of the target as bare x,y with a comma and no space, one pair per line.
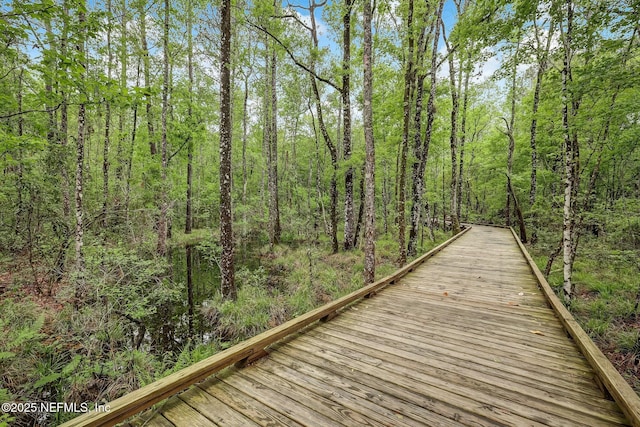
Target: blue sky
449,16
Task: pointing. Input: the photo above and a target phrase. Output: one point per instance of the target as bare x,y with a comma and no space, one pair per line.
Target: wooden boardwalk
467,338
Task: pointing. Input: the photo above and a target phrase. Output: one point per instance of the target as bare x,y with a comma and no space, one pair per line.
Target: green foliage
606,290
190,354
134,286
248,315
627,340
21,328
622,226
596,327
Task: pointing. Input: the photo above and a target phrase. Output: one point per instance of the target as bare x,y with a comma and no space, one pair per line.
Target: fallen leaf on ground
446,294
536,332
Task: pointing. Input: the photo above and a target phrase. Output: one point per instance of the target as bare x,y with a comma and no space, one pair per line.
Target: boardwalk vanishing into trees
474,336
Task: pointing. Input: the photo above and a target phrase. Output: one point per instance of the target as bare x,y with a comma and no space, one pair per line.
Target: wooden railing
242,353
608,377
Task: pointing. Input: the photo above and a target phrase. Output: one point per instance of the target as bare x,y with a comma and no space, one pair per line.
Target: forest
180,175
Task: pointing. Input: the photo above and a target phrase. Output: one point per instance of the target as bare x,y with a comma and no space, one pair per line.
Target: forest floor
606,301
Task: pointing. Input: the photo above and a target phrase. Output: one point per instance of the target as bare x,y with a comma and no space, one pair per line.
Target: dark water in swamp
196,274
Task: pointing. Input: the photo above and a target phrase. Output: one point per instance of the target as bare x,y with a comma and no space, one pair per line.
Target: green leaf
46,380
68,370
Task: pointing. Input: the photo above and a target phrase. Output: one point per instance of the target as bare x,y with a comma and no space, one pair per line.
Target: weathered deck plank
467,338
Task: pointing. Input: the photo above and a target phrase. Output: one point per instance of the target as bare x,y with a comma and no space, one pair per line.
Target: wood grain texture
467,338
619,389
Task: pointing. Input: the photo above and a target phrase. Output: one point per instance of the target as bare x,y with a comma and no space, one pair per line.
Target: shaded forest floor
607,296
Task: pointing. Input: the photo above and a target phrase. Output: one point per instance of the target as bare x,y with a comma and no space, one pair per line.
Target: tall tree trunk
54,140
468,68
417,133
164,202
409,81
360,211
272,153
349,236
227,284
385,196
511,132
333,191
64,122
50,64
320,208
516,205
63,139
79,262
370,163
453,140
542,67
123,58
421,145
510,151
189,203
20,178
107,125
147,77
131,148
570,159
266,125
245,178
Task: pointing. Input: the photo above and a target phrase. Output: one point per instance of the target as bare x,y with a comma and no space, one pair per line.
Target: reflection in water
189,255
197,279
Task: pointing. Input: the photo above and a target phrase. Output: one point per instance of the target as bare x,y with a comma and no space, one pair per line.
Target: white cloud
321,27
488,67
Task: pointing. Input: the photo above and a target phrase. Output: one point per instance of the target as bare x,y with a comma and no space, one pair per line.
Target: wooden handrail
143,398
607,374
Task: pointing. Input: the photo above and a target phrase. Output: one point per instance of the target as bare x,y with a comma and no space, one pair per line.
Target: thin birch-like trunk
80,140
